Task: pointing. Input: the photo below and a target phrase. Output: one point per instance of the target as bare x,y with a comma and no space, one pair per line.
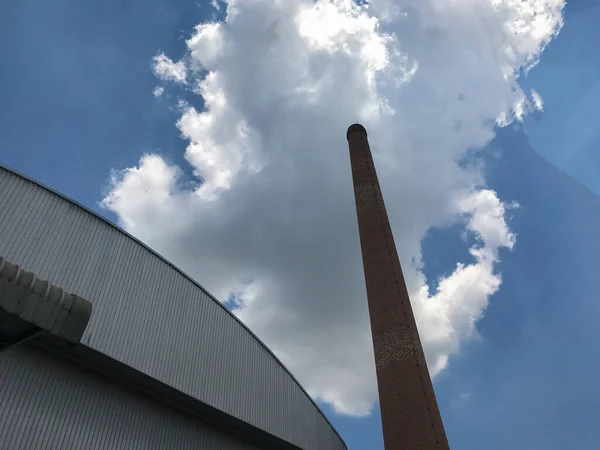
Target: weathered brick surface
409,412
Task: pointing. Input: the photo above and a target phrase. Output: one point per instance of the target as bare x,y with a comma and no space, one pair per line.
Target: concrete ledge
29,305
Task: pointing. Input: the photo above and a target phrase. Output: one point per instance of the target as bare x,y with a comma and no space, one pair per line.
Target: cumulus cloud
167,70
449,317
270,218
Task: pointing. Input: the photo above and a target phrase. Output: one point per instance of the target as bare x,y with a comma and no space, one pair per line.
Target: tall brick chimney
409,412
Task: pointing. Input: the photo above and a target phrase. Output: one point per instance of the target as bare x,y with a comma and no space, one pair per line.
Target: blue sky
76,103
77,88
568,80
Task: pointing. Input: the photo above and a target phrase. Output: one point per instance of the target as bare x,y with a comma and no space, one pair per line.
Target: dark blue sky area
568,79
532,377
76,85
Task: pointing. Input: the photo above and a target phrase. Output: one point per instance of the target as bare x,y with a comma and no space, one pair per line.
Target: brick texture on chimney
410,416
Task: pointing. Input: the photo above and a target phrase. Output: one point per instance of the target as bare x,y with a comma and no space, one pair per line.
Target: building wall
148,315
49,403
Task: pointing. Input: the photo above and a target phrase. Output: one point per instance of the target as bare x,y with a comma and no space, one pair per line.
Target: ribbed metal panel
149,315
49,403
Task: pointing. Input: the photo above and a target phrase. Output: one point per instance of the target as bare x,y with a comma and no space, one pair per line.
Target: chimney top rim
354,128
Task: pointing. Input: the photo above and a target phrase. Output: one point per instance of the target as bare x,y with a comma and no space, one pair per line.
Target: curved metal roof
197,346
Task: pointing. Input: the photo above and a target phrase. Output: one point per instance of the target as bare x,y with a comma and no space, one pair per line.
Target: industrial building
106,345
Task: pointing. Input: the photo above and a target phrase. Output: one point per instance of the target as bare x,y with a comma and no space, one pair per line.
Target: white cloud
538,102
167,70
273,219
449,317
158,91
206,44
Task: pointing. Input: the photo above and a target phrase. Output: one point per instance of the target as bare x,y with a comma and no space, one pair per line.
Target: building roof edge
181,272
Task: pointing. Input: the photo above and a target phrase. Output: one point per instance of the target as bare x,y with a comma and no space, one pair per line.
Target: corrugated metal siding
48,403
148,315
